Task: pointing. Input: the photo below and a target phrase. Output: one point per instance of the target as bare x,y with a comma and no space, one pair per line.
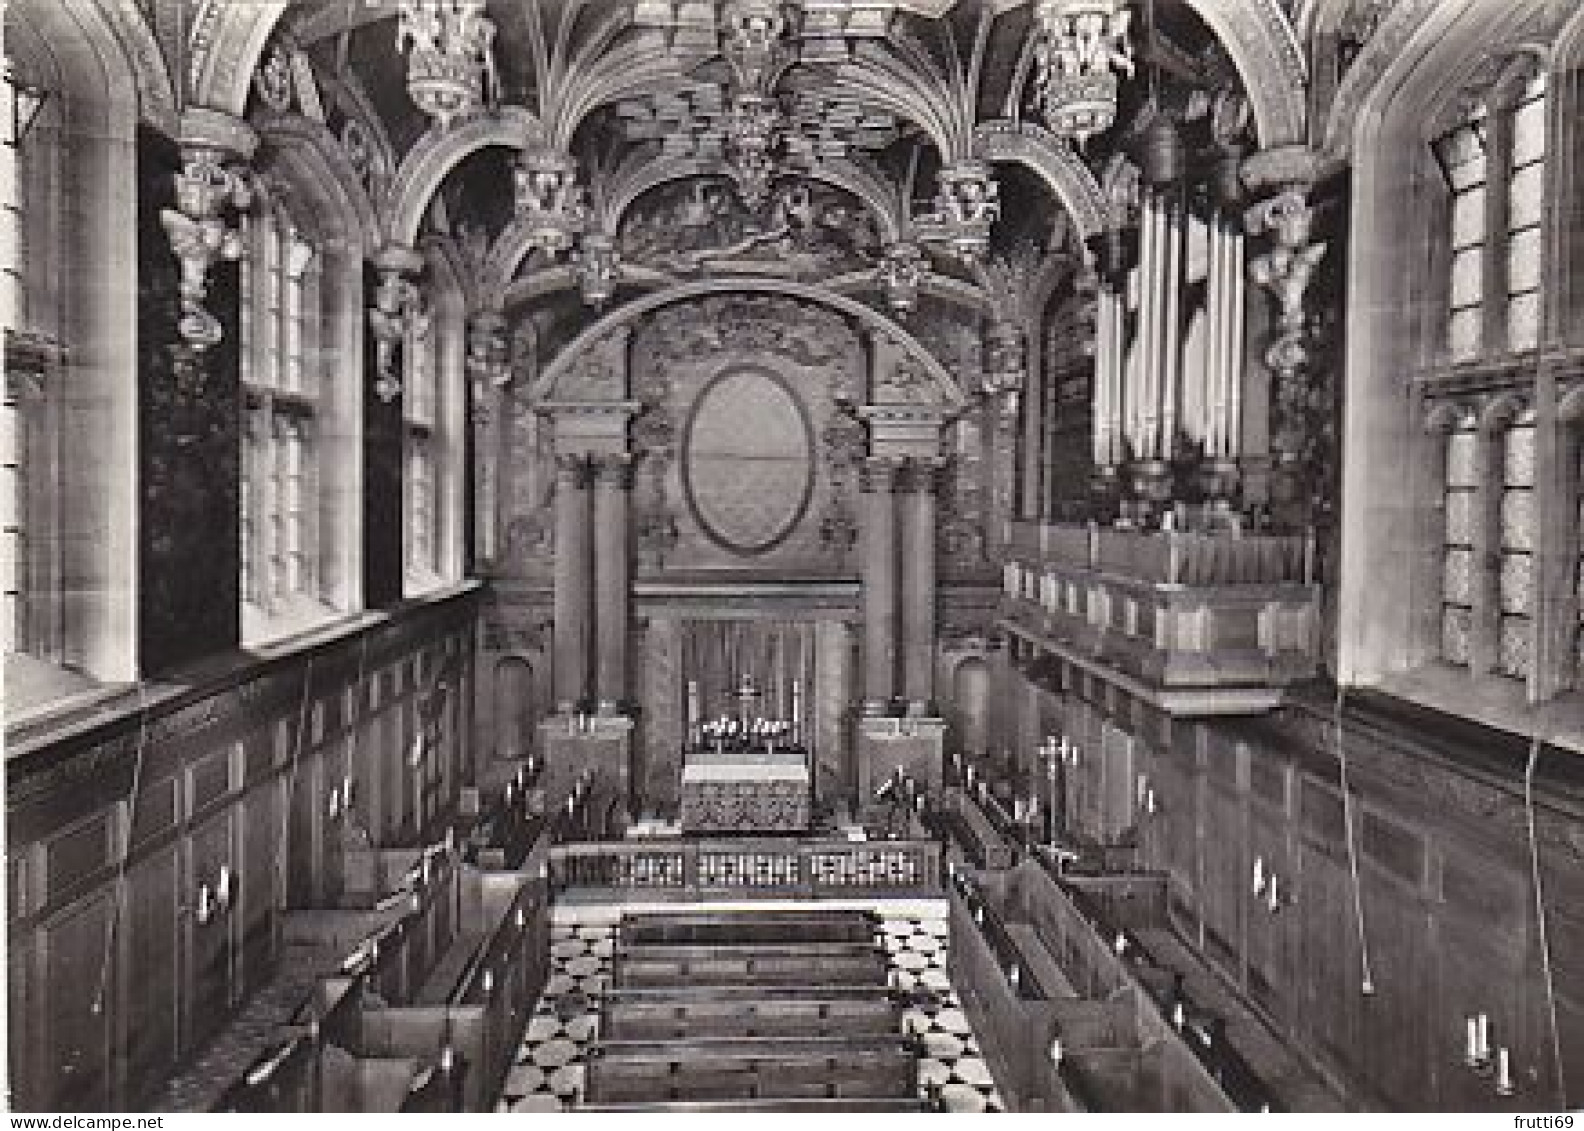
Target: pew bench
755,927
808,1013
752,1068
753,968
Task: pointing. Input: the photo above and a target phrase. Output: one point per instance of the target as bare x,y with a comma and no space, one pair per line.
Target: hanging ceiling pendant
1083,46
450,60
967,203
548,199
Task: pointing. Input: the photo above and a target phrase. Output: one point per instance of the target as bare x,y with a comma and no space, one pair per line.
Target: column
572,570
878,484
612,482
487,365
918,587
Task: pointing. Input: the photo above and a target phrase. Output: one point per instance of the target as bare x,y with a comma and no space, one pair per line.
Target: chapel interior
811,556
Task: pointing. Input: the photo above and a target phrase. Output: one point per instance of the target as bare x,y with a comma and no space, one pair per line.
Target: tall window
1462,155
1462,517
281,376
1524,201
1516,587
1494,164
421,447
33,304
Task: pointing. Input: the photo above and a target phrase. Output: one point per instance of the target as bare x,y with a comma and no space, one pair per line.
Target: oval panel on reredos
748,460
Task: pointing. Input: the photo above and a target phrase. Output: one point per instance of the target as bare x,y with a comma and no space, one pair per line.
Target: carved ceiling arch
945,287
224,45
439,151
560,379
1422,54
1054,162
1269,58
156,94
102,81
563,277
307,150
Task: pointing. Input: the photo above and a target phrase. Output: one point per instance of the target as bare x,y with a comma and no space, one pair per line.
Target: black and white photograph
813,558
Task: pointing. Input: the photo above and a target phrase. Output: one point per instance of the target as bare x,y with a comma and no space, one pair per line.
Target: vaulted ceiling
866,101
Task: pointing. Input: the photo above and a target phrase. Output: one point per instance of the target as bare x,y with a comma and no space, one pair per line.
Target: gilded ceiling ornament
273,80
450,62
549,199
967,203
901,271
1083,47
598,268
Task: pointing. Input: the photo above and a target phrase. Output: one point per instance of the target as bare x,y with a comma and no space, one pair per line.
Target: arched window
299,434
68,408
1493,159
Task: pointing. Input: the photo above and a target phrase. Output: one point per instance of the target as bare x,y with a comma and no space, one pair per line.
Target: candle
1471,1048
1504,1081
1484,1048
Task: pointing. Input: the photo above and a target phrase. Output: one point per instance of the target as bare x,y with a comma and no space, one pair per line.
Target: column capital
878,474
921,475
397,259
573,469
1285,166
216,132
613,471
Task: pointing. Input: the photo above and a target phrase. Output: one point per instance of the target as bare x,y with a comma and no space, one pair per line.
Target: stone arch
563,277
224,45
309,153
557,382
156,93
1054,162
441,150
1268,55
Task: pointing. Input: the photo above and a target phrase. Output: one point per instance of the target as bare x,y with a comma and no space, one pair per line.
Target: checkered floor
549,1068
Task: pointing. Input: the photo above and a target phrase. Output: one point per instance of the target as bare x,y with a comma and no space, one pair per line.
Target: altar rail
771,868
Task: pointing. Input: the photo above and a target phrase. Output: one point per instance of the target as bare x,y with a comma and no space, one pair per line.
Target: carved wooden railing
1221,622
1170,557
770,868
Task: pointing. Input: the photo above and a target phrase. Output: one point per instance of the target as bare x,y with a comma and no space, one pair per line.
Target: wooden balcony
1199,623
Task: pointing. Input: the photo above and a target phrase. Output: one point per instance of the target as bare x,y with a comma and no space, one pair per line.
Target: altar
746,791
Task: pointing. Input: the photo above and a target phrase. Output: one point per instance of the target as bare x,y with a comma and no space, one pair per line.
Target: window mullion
1484,639
1498,165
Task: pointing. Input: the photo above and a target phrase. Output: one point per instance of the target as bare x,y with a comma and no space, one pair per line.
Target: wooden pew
752,1068
808,1012
745,966
815,1105
701,927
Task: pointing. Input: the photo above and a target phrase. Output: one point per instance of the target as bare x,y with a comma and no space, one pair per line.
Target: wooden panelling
1443,897
152,949
216,773
70,1020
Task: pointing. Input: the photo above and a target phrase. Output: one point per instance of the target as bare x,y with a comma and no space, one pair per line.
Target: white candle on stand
1471,1049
